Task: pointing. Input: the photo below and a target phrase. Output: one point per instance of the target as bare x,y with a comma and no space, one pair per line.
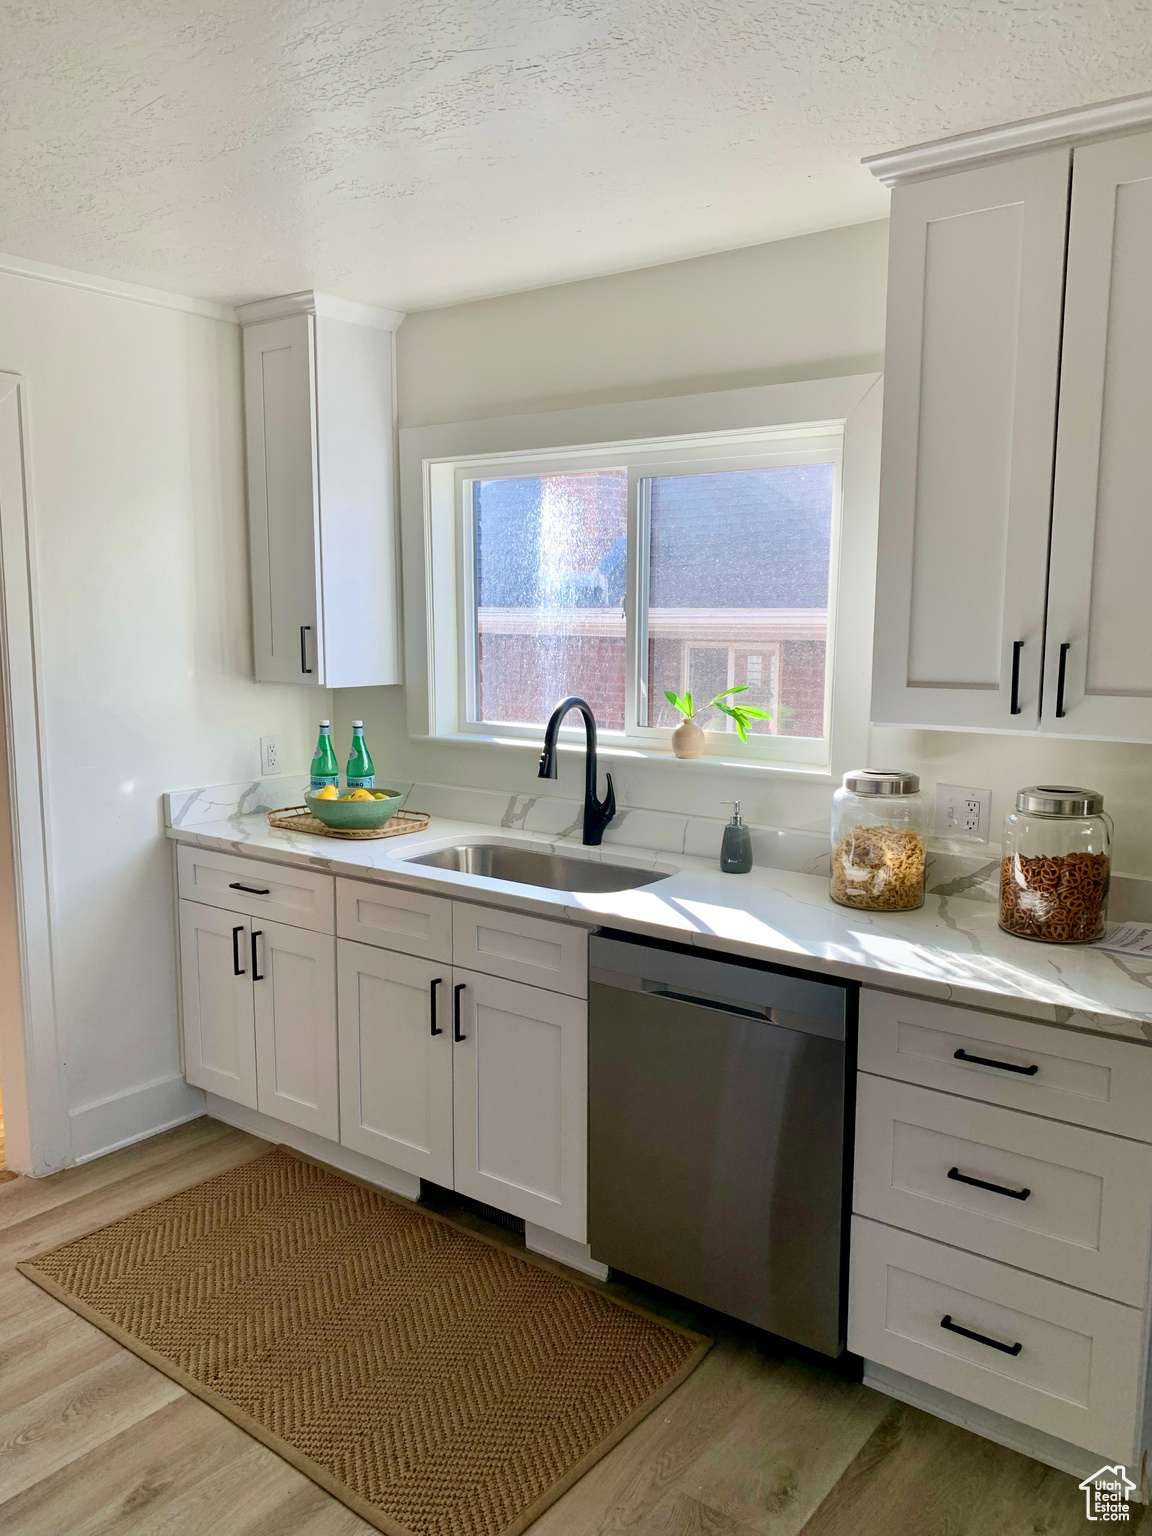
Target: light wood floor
92,1440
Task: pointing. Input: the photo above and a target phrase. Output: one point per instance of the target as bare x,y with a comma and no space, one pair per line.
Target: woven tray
298,818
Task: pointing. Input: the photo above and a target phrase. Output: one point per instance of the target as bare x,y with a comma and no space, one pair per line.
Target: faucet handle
608,805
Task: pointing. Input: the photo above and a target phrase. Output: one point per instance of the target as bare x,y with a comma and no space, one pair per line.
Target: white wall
803,308
135,424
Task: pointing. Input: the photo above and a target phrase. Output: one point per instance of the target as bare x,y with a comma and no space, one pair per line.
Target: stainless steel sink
529,866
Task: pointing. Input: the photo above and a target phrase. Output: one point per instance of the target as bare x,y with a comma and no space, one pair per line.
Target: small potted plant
688,739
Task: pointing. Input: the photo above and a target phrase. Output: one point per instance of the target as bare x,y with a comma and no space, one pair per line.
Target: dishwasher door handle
760,1013
705,1000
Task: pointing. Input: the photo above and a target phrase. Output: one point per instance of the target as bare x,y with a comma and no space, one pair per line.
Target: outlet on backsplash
269,754
963,815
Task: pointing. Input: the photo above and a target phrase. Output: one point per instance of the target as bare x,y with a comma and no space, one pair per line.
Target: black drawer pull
432,1004
1005,1349
456,991
237,968
250,889
1061,678
996,1189
304,667
257,974
1005,1066
1014,707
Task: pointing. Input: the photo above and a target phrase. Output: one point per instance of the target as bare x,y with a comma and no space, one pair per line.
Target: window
625,570
546,609
623,582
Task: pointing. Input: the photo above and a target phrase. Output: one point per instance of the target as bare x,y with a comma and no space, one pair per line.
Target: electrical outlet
269,754
963,815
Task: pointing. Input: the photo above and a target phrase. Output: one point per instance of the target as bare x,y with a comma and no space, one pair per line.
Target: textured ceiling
421,152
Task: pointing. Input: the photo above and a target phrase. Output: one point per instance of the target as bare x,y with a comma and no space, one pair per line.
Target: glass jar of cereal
879,826
1056,866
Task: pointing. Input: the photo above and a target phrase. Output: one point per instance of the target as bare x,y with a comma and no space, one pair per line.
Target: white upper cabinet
1098,673
1015,526
976,272
318,388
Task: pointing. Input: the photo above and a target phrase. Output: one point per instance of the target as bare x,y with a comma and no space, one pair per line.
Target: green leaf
691,708
753,712
739,688
683,705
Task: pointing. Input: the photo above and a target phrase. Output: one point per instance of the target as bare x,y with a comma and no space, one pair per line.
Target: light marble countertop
951,949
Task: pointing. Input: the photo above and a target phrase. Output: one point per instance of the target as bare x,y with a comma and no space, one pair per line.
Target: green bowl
354,815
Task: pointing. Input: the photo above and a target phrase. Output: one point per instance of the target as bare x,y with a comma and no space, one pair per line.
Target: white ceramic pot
688,739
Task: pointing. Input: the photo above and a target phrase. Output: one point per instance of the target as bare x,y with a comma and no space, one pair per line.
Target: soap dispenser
736,848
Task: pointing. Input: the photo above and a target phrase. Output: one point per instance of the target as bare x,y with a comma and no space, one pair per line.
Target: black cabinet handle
1014,707
1005,1349
304,667
996,1189
1060,675
456,991
237,969
252,890
1004,1066
432,1004
257,974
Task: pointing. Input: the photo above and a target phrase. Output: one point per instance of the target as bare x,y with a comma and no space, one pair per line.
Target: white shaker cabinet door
521,1091
216,1000
294,983
396,1059
1098,672
975,281
279,363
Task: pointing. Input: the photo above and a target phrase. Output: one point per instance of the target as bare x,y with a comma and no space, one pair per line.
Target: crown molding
42,272
1011,138
311,303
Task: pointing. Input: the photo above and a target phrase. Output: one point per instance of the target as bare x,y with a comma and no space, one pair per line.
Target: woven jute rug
438,1382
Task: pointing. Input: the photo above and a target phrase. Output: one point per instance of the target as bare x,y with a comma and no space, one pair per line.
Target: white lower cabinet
216,993
294,986
474,1082
1041,1353
520,1084
1056,1199
259,1007
396,1059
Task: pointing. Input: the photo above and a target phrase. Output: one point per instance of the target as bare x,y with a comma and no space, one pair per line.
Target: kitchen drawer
519,948
1087,1198
1075,1374
393,918
1085,1079
279,892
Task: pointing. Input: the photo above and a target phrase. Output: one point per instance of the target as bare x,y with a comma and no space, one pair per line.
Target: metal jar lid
1059,800
881,781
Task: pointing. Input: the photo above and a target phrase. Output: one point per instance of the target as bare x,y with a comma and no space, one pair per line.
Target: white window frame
721,430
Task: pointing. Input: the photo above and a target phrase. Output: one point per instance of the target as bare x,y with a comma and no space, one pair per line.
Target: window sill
812,773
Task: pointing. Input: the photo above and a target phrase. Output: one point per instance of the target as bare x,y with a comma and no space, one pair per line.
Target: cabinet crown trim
309,302
896,165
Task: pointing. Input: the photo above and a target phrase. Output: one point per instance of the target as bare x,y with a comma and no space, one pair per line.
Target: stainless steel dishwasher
718,1116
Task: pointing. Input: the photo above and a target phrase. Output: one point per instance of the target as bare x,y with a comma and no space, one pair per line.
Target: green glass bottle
361,770
325,768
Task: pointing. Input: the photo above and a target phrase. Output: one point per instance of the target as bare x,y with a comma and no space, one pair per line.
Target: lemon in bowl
360,810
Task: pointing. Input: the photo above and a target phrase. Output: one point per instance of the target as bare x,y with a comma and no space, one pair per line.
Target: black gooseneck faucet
597,813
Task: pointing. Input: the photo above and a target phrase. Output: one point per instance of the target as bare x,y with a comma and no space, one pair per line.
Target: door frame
38,1134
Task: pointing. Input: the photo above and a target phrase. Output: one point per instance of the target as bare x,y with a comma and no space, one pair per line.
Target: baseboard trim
319,1147
1052,1451
108,1124
565,1250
